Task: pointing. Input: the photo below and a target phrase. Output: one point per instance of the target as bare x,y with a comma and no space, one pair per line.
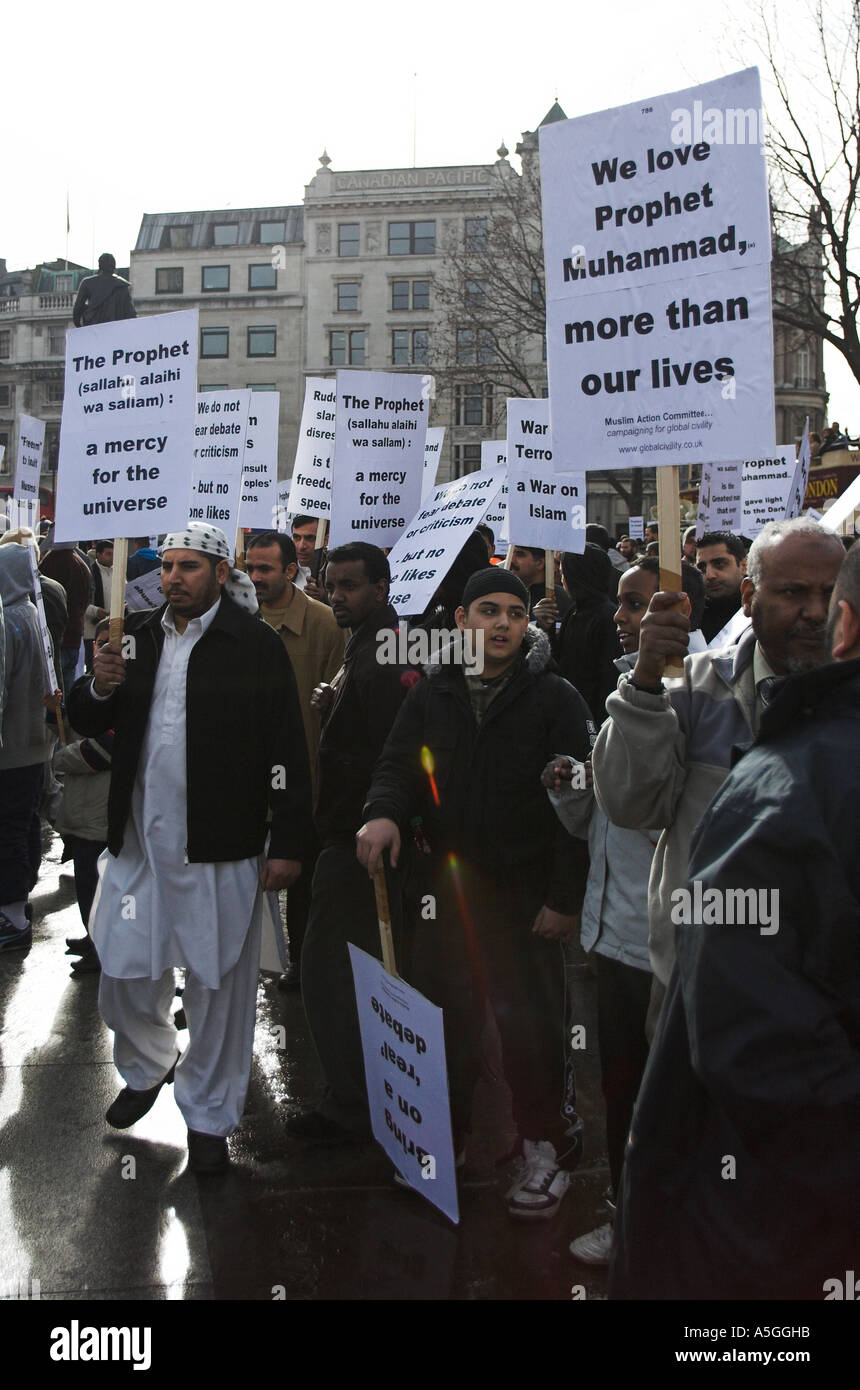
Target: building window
179,238
271,232
215,277
802,367
56,342
54,392
473,404
466,459
347,238
411,238
216,386
402,291
476,233
347,296
52,449
5,395
214,342
262,277
346,349
476,293
409,345
64,284
5,457
5,342
474,347
225,234
169,280
262,386
262,342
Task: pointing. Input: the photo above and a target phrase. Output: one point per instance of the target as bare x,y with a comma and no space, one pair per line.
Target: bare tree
815,175
493,299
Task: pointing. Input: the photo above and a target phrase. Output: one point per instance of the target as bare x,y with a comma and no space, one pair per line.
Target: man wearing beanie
208,740
506,878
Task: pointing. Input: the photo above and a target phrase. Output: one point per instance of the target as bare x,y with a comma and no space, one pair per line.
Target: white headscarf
212,541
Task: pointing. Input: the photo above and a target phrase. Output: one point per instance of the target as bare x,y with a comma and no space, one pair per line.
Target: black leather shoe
131,1106
78,945
88,964
207,1153
291,978
316,1128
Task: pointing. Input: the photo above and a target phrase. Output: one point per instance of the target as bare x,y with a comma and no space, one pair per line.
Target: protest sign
801,476
435,536
127,441
310,490
432,458
657,249
494,454
380,426
144,592
765,487
258,498
28,464
528,443
636,527
219,451
719,497
547,510
403,1042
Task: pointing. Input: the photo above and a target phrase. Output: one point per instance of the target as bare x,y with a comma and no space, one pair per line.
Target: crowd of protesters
667,775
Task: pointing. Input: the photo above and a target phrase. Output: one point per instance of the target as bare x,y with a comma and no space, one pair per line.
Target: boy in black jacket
466,754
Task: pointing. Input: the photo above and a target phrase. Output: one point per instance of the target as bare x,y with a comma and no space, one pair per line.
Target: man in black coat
587,644
357,711
209,741
466,755
740,1179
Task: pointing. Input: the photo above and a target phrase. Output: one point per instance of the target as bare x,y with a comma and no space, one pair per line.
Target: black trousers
85,854
299,906
20,831
623,995
343,910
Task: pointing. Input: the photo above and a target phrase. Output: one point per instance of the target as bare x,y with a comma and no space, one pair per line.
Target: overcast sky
173,106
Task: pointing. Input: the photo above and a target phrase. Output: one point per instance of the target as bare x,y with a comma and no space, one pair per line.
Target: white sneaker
594,1248
540,1185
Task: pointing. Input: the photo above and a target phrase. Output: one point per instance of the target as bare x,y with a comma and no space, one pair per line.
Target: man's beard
797,665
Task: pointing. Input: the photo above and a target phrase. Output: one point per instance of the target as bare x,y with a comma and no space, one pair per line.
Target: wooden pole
117,590
549,573
669,535
506,563
321,525
383,913
239,556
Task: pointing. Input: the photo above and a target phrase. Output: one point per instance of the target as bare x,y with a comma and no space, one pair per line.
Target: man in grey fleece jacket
667,748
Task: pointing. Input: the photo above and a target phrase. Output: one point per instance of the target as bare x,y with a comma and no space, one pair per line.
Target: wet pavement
96,1214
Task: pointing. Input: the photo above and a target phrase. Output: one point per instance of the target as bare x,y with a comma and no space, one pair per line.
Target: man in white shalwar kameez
159,907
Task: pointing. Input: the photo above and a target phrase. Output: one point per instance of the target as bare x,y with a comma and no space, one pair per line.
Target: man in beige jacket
315,645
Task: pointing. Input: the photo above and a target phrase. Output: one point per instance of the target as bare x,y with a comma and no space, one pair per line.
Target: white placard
657,247
403,1042
219,452
432,458
49,672
28,464
127,440
636,528
380,426
719,497
766,483
547,510
529,445
494,454
144,592
800,481
310,491
731,633
259,495
436,535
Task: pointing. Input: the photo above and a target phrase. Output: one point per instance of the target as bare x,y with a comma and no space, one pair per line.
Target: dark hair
847,585
305,521
376,565
734,545
538,554
597,535
107,262
652,526
103,545
692,584
284,544
484,530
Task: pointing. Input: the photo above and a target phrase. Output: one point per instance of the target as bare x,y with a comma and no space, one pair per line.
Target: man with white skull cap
208,741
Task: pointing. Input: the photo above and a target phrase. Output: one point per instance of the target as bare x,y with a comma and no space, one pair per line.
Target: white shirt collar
195,625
